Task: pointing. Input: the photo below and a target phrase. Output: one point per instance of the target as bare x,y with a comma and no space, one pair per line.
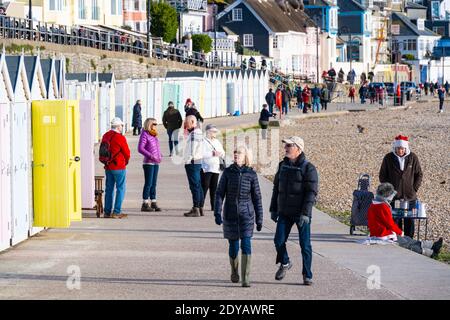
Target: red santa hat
401,142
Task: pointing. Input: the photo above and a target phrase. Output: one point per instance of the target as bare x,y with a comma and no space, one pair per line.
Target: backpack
104,154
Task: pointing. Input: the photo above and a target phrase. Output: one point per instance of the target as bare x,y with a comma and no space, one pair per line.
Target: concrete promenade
165,255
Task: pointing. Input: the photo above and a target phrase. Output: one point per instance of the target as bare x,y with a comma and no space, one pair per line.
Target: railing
94,37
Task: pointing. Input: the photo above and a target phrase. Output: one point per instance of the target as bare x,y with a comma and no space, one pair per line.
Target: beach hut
20,148
6,97
87,140
50,77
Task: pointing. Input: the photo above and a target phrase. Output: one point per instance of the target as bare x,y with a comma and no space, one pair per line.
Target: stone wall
82,59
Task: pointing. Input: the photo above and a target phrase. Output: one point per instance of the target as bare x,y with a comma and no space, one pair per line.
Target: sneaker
437,247
282,271
146,207
201,211
106,216
307,281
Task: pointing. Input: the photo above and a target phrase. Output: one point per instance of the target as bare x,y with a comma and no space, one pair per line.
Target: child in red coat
382,226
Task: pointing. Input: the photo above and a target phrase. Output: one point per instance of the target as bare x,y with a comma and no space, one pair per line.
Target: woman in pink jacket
149,147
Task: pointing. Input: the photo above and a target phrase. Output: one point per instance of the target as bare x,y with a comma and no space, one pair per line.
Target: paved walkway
168,256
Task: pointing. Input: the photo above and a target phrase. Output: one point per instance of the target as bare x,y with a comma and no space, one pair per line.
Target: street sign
395,29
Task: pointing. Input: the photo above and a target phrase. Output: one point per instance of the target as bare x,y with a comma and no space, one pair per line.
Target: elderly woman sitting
382,225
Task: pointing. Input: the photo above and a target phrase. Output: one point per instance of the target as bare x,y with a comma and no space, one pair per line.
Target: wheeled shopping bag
362,199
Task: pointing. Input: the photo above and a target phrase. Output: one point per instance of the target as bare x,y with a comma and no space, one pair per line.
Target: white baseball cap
295,140
117,122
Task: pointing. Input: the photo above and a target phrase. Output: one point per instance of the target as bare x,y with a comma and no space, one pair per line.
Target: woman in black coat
239,187
137,118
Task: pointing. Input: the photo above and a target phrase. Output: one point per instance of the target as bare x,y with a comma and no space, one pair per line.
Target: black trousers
138,129
210,181
441,104
409,226
324,104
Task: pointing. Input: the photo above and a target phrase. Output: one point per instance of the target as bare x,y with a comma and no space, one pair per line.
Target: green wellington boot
245,269
234,269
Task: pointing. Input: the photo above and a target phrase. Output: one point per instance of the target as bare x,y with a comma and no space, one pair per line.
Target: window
120,8
237,14
95,10
439,30
275,42
395,45
56,5
138,26
410,45
248,40
136,5
113,7
81,10
435,10
333,19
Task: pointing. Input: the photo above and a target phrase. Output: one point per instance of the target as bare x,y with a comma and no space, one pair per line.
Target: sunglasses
289,145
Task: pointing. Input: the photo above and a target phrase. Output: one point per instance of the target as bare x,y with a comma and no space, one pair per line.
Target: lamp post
443,67
30,16
149,21
215,35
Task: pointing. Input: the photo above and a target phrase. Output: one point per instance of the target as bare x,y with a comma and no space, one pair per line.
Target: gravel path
341,153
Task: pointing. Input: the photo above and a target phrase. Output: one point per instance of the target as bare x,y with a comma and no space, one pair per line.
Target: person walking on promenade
213,152
193,154
382,226
324,97
149,147
298,95
363,93
192,111
187,104
172,121
270,100
351,94
137,118
295,189
306,96
447,88
239,189
401,168
441,95
315,92
118,154
264,120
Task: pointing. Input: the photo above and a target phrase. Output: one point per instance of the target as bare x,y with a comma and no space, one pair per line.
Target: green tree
201,42
164,21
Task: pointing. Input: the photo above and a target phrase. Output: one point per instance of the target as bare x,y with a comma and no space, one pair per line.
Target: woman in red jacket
381,224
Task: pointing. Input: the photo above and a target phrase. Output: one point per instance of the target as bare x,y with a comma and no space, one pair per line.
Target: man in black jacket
270,99
172,121
294,194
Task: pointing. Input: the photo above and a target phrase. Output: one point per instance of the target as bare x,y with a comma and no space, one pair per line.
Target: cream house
77,12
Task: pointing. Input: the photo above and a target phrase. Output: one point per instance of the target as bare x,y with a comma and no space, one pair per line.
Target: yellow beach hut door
56,163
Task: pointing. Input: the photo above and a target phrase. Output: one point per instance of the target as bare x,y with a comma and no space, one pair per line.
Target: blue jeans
173,139
316,104
300,105
151,177
284,226
285,107
195,184
271,107
246,247
114,178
